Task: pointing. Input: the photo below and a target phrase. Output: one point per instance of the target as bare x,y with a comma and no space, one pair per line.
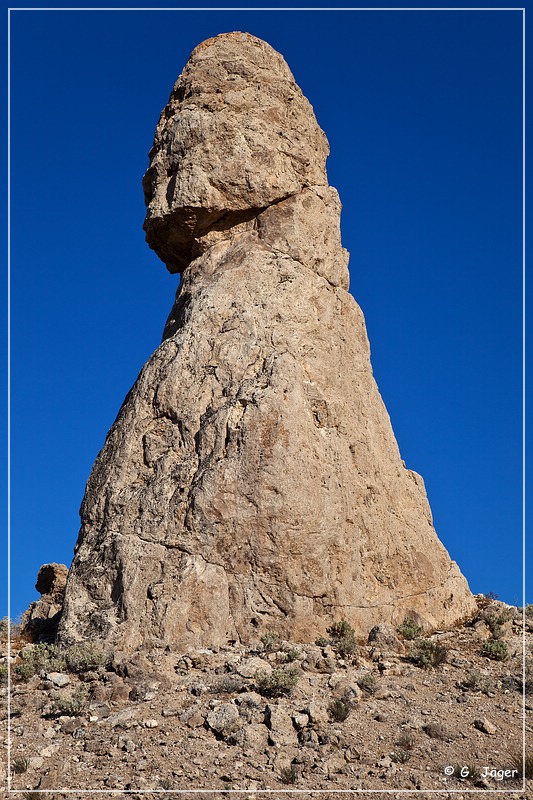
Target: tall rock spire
251,481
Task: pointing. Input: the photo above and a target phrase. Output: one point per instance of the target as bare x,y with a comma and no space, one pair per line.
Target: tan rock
252,482
41,619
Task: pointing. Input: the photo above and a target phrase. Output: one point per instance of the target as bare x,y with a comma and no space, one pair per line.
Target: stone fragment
316,712
194,716
485,726
282,732
384,636
122,719
252,482
170,712
251,699
151,723
224,718
300,720
255,737
48,752
251,666
58,679
70,725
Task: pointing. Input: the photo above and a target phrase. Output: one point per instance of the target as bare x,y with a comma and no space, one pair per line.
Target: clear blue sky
423,114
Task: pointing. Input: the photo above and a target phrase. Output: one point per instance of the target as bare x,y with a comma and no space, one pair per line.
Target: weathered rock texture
252,481
41,619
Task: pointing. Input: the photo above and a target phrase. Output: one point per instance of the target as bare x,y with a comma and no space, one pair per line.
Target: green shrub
368,683
343,638
289,774
73,705
270,642
322,641
401,756
409,629
83,657
279,682
406,740
4,670
20,765
477,682
339,710
496,649
426,653
340,629
39,658
292,654
495,621
54,658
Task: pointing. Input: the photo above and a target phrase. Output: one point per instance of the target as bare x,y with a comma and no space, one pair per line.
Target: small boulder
224,719
59,679
485,726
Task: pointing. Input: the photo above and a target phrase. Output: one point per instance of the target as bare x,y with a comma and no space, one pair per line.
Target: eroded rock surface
41,619
252,481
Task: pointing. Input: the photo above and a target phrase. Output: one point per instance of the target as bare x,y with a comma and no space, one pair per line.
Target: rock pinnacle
252,482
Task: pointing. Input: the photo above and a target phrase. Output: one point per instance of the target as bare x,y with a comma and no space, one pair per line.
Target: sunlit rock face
251,481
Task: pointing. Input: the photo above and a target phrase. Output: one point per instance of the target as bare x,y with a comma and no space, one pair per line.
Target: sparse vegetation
368,683
427,654
524,767
496,649
43,658
83,657
406,740
339,710
39,658
292,654
270,642
495,622
322,641
529,610
289,774
20,765
475,681
401,756
71,705
343,638
484,600
279,682
4,671
409,629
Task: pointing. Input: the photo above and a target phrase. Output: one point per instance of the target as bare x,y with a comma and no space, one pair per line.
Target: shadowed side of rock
39,622
252,481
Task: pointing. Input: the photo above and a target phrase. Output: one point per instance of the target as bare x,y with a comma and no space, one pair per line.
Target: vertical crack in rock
251,480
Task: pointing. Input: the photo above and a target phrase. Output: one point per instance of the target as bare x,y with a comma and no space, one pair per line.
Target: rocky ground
442,712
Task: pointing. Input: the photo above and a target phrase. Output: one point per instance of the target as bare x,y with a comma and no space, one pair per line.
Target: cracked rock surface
251,481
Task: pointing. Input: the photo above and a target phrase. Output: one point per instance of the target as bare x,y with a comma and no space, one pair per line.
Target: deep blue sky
423,114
